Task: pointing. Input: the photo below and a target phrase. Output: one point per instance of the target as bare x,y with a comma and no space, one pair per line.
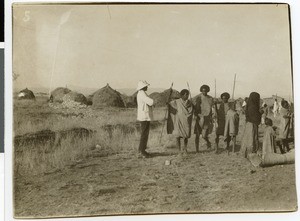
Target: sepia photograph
152,108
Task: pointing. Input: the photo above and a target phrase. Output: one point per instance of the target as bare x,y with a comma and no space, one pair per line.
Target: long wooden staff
215,88
193,106
233,86
170,94
215,105
187,83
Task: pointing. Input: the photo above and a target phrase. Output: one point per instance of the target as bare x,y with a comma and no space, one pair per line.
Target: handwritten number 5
26,17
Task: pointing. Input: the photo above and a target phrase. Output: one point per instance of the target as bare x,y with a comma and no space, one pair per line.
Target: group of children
285,129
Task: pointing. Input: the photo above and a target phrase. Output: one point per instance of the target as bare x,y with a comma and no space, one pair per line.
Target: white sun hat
142,84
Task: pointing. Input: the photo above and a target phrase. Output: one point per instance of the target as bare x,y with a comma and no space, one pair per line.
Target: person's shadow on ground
162,154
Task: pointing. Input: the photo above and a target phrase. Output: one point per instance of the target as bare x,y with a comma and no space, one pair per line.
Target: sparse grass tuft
34,116
38,159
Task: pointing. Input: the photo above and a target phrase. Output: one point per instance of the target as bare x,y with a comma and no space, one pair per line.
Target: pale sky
121,44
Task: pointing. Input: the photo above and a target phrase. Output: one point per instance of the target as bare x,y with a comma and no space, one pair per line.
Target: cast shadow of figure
162,154
206,150
236,149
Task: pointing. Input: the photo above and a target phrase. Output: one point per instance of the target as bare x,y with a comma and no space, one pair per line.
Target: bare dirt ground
124,184
118,182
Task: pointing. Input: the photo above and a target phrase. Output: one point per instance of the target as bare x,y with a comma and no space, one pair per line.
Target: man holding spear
181,115
227,121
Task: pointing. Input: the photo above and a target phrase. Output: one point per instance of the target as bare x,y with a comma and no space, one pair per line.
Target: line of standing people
181,112
208,114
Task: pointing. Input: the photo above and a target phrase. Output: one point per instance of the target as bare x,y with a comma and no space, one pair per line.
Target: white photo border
295,30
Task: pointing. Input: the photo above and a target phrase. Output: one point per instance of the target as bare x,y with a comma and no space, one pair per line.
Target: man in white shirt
144,115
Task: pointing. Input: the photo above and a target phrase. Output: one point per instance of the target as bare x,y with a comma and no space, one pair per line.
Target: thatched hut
58,94
90,99
107,97
160,99
26,94
130,101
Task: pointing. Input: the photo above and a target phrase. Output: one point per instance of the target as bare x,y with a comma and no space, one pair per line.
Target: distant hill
130,91
84,90
125,91
33,89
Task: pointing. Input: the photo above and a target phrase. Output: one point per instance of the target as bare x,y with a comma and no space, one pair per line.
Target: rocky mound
58,94
75,97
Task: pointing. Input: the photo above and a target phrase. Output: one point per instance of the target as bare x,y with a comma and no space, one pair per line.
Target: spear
187,83
170,94
215,106
215,88
233,86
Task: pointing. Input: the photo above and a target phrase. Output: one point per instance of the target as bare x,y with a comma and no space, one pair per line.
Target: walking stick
162,130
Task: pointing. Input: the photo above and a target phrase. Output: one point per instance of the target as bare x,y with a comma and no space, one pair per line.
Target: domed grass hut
73,96
107,97
160,99
130,101
90,99
26,94
58,94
